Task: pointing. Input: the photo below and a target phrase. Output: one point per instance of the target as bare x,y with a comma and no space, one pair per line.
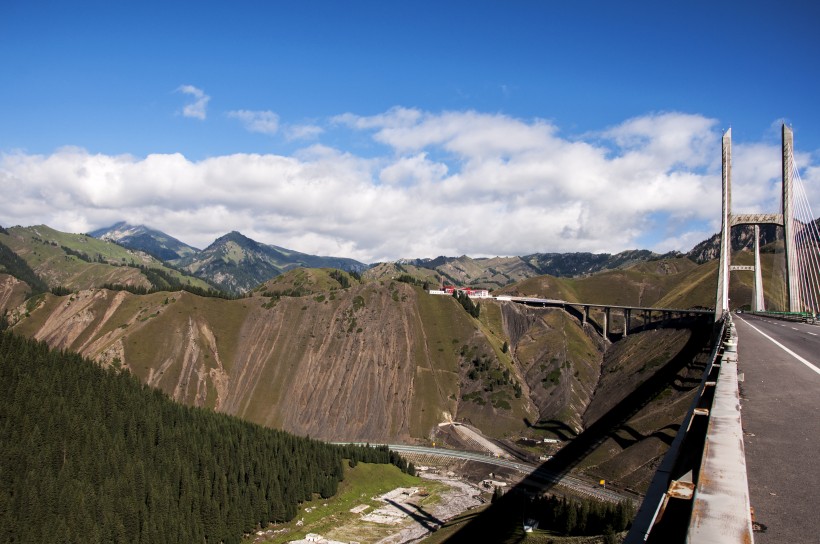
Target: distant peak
233,235
237,238
116,231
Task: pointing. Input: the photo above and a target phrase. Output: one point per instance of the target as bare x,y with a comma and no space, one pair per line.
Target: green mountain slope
79,261
151,241
666,283
497,272
238,264
329,354
384,359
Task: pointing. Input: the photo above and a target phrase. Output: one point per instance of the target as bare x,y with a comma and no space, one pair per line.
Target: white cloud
197,108
264,122
394,117
413,170
449,183
303,132
467,133
667,139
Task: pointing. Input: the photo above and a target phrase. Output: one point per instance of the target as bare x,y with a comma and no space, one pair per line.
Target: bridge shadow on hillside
634,436
420,515
558,428
502,520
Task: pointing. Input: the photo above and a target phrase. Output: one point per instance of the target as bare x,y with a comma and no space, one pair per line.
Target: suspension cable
806,241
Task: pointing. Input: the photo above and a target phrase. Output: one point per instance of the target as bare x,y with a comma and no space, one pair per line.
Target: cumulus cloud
264,122
195,109
467,133
666,139
448,183
303,132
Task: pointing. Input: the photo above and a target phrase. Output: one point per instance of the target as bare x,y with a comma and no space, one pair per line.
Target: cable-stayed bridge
733,479
727,478
800,238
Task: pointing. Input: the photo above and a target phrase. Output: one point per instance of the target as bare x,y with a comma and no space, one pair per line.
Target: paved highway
533,472
780,401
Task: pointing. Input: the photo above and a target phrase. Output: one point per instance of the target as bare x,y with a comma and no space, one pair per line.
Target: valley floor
377,504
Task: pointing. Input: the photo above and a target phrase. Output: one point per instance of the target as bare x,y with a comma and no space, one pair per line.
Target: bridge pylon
759,304
784,219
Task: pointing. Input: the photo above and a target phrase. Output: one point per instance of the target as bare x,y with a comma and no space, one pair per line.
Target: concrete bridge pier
606,323
586,315
627,320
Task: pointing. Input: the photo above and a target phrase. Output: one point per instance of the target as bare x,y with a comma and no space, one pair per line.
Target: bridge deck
562,303
780,407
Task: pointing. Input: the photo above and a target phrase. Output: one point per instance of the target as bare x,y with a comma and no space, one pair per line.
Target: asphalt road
535,472
780,402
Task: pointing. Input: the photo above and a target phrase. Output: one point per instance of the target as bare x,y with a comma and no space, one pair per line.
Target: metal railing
700,492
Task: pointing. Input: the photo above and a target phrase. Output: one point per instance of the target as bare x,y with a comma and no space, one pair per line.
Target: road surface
535,472
780,403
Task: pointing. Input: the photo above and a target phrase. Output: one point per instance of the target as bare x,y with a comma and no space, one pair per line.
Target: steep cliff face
12,292
742,239
559,361
648,382
373,362
379,361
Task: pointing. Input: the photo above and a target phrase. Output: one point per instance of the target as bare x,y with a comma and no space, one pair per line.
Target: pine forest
91,455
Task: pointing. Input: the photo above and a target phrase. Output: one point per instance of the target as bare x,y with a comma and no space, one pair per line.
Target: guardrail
700,492
811,319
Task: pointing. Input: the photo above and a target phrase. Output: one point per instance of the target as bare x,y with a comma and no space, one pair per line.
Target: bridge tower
784,219
792,283
759,302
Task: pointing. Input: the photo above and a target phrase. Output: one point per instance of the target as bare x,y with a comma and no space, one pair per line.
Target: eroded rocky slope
319,352
560,362
12,292
372,362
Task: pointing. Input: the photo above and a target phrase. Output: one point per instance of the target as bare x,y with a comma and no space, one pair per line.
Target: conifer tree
105,458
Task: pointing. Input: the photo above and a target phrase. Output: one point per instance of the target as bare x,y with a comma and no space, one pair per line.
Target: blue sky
268,117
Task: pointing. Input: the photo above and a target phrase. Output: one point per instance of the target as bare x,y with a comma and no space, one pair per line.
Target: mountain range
233,262
237,264
154,242
372,356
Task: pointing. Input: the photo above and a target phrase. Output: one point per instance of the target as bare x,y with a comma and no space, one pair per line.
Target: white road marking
784,348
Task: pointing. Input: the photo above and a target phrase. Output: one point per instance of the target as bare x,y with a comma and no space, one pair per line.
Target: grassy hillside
326,353
697,287
392,271
667,283
630,364
306,281
489,273
497,272
333,518
13,292
238,264
386,360
642,284
463,364
78,261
